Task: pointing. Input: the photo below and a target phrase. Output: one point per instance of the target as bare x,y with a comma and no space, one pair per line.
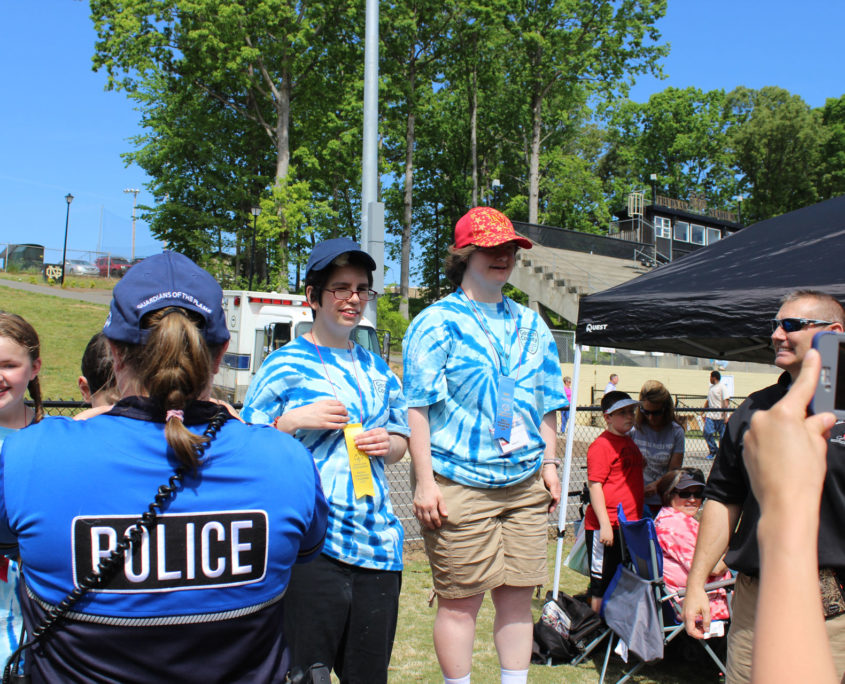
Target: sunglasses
646,412
690,493
791,325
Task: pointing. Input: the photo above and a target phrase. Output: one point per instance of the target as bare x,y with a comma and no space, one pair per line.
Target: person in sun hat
483,384
197,595
325,390
676,524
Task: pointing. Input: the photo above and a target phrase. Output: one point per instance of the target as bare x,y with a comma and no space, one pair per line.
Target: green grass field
64,327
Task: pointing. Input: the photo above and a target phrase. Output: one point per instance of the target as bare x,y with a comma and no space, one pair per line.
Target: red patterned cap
486,227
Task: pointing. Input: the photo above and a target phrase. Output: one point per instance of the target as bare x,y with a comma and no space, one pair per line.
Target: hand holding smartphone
830,391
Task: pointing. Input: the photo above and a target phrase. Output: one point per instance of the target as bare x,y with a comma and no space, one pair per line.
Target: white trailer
261,322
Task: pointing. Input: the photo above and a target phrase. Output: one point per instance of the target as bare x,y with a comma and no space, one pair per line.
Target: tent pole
567,467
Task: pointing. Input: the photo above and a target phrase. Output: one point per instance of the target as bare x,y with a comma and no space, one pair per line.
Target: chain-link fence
590,424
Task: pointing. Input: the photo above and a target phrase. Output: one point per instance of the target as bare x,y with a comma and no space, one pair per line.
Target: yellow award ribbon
359,462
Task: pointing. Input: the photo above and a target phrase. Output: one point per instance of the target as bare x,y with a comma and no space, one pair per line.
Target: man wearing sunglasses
802,314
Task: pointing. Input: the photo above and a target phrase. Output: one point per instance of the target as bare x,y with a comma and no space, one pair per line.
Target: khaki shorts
492,537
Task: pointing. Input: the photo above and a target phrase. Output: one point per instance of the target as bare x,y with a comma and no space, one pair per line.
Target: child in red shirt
614,476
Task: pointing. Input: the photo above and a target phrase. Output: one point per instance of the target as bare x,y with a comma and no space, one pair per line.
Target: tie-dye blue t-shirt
362,532
453,352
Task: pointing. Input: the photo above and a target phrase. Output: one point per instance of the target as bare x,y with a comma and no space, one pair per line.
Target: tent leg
567,467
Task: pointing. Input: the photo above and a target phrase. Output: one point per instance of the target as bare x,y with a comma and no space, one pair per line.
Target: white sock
514,676
456,680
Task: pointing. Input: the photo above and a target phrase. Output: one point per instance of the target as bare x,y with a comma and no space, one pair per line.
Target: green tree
560,54
775,145
411,53
679,134
257,59
831,170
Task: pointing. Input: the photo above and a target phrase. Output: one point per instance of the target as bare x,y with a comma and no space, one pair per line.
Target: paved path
93,296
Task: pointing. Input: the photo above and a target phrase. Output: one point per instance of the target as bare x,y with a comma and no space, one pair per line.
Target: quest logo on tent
592,327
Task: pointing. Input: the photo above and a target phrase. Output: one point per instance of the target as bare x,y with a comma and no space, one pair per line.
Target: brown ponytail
174,368
20,332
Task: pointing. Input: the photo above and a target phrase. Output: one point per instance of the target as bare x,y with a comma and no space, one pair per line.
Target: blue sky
61,132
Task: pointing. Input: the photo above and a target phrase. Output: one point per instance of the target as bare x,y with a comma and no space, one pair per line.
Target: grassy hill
64,327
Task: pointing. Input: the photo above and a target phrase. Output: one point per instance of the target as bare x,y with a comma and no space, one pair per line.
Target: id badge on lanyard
503,422
508,429
359,462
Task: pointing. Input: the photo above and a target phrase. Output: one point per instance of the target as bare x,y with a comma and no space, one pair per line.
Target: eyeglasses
791,325
646,412
690,493
344,294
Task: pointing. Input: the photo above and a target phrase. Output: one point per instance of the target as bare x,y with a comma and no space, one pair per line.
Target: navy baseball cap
166,279
327,251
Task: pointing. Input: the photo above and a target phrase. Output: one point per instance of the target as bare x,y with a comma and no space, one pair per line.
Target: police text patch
182,551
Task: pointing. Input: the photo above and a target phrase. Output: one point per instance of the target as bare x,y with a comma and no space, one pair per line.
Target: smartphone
830,392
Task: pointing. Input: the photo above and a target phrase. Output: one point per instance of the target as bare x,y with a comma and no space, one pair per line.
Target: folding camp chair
634,604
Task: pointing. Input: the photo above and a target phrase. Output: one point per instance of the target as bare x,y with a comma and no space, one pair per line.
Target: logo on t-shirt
380,386
529,339
182,551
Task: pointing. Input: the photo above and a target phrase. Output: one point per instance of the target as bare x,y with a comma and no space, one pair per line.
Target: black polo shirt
729,483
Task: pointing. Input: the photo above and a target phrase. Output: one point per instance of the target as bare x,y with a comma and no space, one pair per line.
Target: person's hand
785,451
696,608
374,443
606,535
429,506
228,407
326,414
650,488
552,482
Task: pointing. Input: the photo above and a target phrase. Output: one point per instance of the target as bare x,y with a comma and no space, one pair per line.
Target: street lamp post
255,211
653,178
134,192
495,184
68,199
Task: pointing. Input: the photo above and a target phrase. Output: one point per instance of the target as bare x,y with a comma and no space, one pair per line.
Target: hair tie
175,413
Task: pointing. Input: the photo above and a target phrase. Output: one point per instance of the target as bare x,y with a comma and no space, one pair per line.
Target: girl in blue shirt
342,610
20,362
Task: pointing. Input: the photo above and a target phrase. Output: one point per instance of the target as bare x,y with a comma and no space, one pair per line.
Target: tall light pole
255,211
372,211
68,199
653,178
134,192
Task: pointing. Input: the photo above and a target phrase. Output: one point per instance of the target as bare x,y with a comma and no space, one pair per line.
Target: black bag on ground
565,627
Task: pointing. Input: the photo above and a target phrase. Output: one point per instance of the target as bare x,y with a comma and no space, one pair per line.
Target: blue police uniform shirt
207,579
362,532
452,365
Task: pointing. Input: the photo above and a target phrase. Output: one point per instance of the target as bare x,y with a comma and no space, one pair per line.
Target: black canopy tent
717,301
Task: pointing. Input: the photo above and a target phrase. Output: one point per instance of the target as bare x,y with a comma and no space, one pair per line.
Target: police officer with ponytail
162,532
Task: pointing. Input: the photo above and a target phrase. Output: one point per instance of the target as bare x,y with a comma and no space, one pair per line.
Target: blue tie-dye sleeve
398,408
425,350
264,401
